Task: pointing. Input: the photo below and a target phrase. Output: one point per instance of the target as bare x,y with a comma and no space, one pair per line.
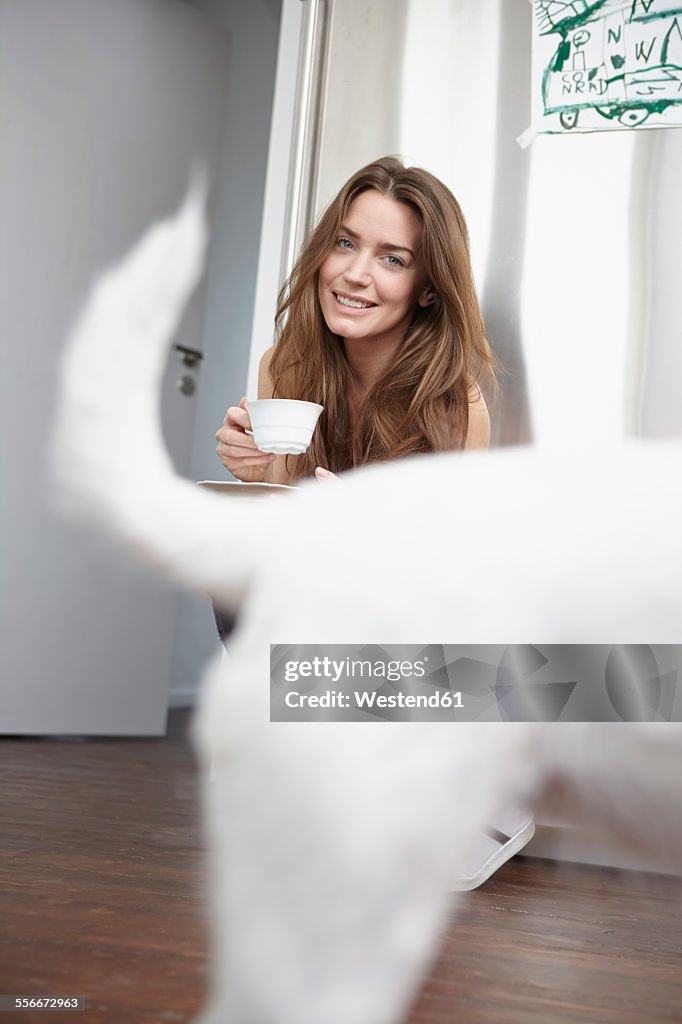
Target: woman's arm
478,434
236,447
276,472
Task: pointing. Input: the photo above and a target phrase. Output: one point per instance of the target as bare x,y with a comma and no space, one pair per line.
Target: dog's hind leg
332,851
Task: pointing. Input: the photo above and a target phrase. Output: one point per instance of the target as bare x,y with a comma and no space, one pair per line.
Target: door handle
189,356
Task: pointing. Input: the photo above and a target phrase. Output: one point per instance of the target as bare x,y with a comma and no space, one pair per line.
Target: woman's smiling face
370,283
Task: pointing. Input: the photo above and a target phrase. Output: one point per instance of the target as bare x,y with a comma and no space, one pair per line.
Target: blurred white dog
333,844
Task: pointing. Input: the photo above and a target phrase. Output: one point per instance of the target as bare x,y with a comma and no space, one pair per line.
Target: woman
379,323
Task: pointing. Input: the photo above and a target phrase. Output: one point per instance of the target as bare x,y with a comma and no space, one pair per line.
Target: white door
104,106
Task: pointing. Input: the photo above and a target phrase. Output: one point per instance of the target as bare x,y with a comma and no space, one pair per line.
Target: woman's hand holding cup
237,449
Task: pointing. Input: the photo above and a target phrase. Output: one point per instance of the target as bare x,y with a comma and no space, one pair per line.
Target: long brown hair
420,403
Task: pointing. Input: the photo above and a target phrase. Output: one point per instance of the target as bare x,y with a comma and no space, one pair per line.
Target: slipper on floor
506,836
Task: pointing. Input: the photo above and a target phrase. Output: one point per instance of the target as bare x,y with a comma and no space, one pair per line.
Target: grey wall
661,412
253,27
104,105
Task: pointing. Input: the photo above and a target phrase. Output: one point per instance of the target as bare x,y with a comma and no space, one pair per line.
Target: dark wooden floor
102,896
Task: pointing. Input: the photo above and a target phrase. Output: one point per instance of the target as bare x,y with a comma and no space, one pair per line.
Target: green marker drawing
619,58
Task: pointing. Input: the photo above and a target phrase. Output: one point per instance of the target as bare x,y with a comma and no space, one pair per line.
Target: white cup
283,426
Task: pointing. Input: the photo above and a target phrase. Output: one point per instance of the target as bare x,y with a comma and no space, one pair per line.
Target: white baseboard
583,846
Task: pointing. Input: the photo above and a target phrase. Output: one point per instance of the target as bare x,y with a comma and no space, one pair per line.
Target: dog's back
332,843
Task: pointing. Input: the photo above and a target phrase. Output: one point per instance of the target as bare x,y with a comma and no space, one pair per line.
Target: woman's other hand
237,450
324,474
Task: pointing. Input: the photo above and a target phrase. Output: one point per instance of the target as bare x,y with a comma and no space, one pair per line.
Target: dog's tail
109,461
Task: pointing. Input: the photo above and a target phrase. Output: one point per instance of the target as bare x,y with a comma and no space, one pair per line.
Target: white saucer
243,491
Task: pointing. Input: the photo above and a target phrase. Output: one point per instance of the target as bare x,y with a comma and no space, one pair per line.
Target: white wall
281,152
253,26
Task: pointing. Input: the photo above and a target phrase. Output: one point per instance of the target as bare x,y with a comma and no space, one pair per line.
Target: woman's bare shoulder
477,402
478,434
265,385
